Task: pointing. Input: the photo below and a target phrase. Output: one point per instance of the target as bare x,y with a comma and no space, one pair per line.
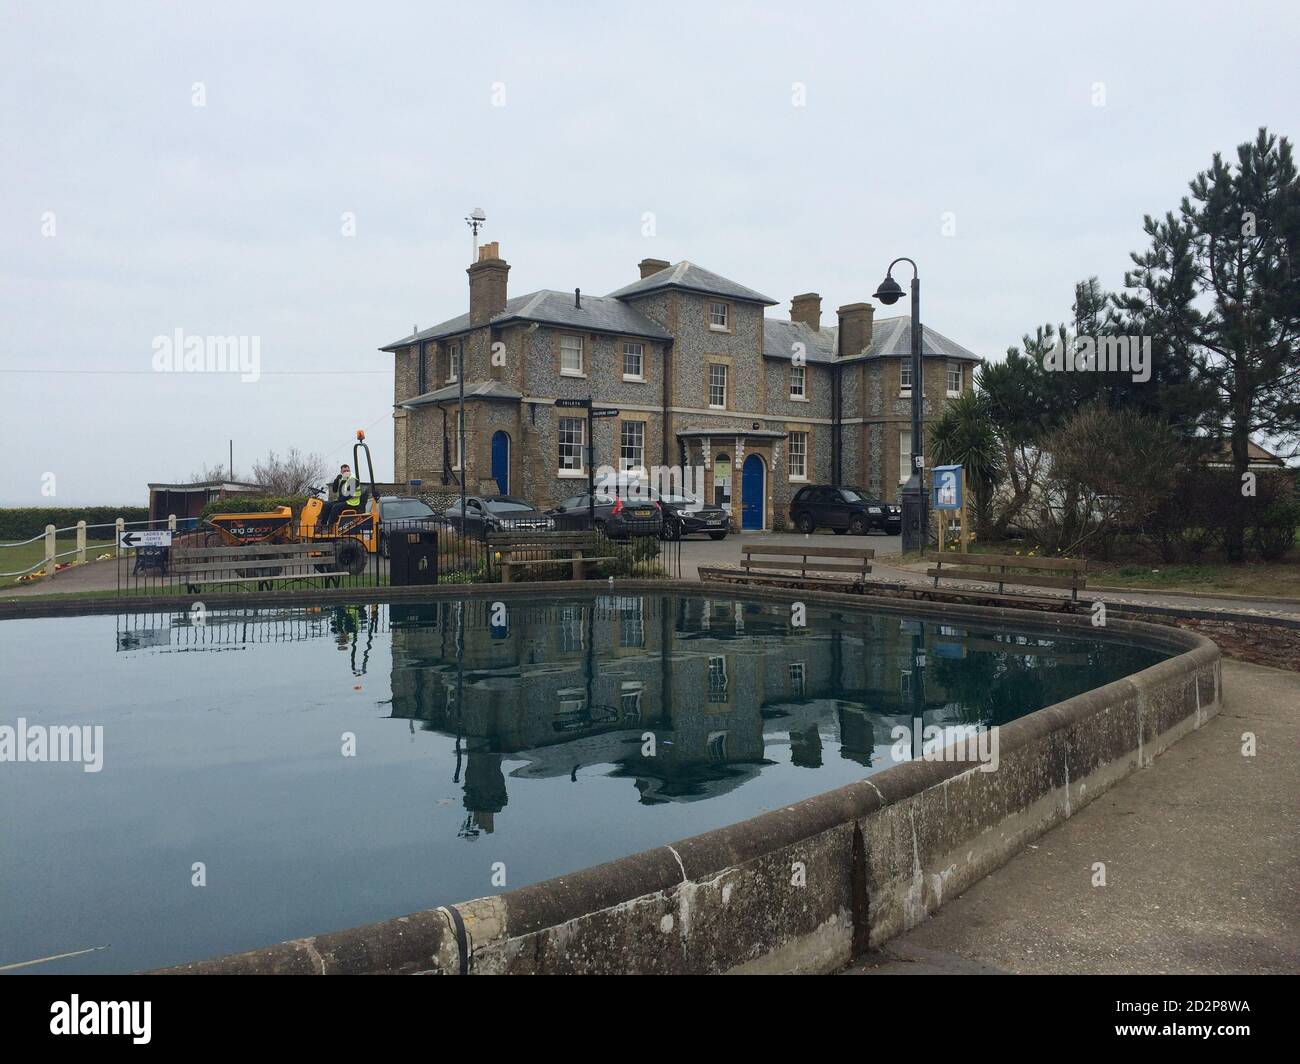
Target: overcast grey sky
227,218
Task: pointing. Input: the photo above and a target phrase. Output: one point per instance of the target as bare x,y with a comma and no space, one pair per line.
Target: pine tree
1219,293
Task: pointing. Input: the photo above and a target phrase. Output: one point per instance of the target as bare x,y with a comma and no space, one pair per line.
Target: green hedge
252,504
26,521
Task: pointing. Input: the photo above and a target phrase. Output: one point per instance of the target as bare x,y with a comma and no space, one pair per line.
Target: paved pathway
697,553
102,576
1202,858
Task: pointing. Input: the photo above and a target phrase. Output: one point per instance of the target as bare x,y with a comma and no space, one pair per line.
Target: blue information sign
947,487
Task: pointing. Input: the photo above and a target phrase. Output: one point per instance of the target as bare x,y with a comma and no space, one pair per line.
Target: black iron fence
279,554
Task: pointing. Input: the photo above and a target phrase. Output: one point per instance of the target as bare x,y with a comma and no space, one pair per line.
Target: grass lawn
18,558
1280,579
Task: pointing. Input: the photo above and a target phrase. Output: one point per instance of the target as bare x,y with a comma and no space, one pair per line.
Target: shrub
1274,531
252,504
23,522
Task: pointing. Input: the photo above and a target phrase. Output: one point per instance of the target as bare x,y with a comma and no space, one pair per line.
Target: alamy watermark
179,353
678,482
67,743
953,742
1101,354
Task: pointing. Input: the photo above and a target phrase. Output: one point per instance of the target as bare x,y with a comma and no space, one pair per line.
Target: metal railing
49,561
282,555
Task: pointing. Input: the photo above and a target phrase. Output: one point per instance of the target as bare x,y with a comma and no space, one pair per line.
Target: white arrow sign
145,539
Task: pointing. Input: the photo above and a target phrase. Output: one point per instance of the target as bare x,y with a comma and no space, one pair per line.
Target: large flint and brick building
700,377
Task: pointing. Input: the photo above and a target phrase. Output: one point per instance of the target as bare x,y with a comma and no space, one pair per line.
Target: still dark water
484,736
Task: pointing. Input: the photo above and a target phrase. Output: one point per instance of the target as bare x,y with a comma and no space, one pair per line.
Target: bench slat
552,561
815,566
811,552
258,548
1079,565
983,576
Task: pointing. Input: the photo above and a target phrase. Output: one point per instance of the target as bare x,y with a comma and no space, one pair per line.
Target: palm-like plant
965,435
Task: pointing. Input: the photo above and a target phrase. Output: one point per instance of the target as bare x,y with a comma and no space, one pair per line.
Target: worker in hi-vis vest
344,490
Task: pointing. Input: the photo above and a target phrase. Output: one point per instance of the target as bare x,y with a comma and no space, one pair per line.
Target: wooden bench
758,557
576,549
259,563
1070,573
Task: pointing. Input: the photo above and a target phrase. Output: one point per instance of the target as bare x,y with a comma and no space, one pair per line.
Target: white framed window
571,356
631,446
630,693
954,378
571,630
904,455
798,382
797,679
797,447
905,376
456,433
632,624
718,385
453,363
717,679
633,361
572,436
716,745
720,317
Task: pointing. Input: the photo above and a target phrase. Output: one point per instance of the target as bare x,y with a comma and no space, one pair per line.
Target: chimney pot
650,266
577,298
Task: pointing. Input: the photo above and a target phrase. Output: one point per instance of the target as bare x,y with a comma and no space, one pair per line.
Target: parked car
403,512
684,516
497,513
618,516
843,510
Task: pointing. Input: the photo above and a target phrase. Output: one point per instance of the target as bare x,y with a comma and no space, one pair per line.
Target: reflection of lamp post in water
918,689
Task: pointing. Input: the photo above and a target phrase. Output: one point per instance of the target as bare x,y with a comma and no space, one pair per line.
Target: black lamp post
916,518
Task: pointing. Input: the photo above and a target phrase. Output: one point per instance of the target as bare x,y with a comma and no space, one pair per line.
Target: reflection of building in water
716,683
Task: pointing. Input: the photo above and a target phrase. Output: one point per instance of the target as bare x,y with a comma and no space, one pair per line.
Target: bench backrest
542,540
253,557
763,556
1046,572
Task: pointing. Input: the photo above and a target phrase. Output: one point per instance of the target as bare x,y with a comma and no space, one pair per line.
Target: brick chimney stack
807,308
649,266
855,328
487,285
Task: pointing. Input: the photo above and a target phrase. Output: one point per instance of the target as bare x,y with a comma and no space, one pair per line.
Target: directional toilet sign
161,538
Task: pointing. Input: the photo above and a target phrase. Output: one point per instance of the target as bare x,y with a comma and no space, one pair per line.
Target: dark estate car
401,512
843,510
617,516
497,513
684,516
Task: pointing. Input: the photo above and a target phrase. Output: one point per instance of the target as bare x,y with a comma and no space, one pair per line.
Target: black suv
843,510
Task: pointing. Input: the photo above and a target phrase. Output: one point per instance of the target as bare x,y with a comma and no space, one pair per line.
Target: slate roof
597,314
482,390
890,338
693,278
779,338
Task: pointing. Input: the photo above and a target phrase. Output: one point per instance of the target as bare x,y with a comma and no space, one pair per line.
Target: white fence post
120,527
81,542
50,551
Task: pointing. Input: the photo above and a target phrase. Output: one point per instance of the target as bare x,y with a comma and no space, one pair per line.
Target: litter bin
152,560
413,556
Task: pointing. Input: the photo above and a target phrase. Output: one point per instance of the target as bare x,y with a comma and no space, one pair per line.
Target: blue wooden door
751,494
501,461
